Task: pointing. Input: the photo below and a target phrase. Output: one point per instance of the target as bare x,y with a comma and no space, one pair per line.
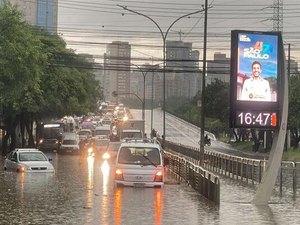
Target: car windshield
113,146
102,132
139,156
69,142
32,156
101,142
106,122
83,133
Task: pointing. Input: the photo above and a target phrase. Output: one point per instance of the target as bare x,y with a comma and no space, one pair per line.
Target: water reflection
152,200
158,203
105,176
118,205
22,186
90,180
105,197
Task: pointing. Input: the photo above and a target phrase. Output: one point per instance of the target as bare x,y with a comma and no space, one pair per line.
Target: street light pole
164,37
144,91
152,95
202,124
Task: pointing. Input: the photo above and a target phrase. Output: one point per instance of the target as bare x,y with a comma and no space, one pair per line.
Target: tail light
21,169
158,177
119,175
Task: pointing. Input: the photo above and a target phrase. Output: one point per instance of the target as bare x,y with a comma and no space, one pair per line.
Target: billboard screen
255,79
257,67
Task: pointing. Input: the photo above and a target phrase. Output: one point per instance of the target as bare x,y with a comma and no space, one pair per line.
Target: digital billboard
255,78
257,67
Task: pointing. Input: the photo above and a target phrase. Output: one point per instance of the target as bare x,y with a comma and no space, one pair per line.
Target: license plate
138,184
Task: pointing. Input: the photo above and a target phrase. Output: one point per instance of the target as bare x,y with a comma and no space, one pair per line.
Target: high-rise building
117,61
47,15
42,13
218,68
182,66
28,9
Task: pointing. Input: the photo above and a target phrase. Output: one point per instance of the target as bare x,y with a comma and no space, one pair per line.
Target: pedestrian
153,133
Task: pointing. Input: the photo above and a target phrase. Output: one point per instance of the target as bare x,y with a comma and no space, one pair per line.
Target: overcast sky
88,25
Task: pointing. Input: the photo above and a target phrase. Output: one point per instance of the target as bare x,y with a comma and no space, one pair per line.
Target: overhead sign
255,80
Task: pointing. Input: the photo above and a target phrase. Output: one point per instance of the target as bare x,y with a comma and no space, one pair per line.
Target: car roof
103,128
131,130
85,130
27,150
130,142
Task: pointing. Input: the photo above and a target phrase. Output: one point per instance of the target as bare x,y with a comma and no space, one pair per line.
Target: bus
50,136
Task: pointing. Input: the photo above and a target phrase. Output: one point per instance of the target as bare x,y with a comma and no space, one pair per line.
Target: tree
217,100
294,109
39,77
20,73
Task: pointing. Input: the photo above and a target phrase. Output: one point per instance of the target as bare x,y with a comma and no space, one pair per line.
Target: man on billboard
256,88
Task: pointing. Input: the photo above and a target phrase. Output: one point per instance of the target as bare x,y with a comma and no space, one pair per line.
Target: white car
139,164
28,160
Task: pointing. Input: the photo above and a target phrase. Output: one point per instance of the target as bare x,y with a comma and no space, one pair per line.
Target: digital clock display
256,119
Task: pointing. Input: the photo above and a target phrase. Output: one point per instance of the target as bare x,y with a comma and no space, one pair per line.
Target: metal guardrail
246,170
203,181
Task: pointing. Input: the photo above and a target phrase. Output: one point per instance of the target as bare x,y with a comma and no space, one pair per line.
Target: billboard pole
265,188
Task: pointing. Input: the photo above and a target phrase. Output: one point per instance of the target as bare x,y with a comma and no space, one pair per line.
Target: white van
70,143
139,163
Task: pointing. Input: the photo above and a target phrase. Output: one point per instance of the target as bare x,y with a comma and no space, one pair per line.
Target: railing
245,170
203,181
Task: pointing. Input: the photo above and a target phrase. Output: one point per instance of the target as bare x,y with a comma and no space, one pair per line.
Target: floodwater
82,192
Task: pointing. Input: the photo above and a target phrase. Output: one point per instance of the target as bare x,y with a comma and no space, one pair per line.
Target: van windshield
139,156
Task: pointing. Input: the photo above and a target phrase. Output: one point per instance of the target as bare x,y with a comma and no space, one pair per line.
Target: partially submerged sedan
28,160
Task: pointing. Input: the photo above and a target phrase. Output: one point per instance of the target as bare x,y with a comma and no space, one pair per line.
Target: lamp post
144,91
202,122
164,37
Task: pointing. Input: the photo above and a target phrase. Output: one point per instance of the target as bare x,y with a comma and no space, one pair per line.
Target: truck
131,128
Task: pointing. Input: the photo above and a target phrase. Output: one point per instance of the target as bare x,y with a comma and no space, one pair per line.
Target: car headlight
22,168
90,150
106,155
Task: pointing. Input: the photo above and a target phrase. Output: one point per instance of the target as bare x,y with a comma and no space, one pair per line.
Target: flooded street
82,192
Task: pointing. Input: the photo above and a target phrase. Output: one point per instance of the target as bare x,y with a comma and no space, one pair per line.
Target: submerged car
28,160
139,164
